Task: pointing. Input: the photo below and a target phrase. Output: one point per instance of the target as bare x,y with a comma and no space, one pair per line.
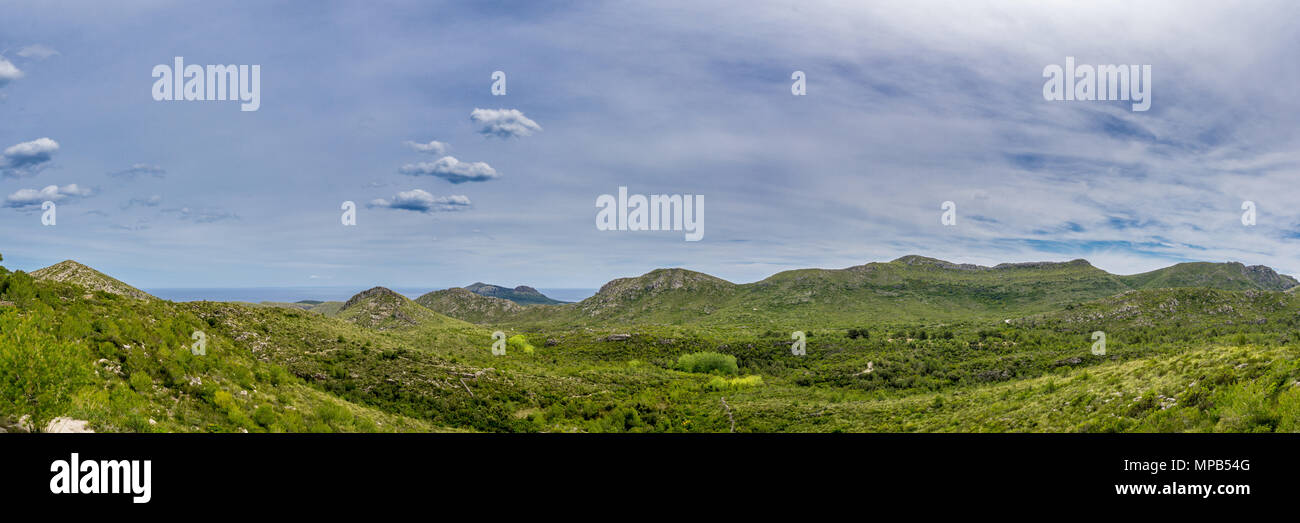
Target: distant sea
292,294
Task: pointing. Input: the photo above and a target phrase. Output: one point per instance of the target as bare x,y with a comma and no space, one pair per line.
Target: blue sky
909,104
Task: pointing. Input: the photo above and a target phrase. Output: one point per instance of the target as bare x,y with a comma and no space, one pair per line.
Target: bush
520,343
706,362
38,373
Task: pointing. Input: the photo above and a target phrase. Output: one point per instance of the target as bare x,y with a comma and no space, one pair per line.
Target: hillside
465,305
661,295
130,365
1177,359
382,309
522,295
69,271
910,288
1231,276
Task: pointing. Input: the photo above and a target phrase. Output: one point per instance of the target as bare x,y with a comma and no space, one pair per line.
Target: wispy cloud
150,201
421,201
140,169
202,215
434,147
452,170
37,51
503,123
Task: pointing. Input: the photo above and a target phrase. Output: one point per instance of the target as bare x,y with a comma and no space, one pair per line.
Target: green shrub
520,343
706,362
38,373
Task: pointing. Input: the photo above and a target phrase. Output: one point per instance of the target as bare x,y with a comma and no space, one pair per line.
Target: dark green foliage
706,362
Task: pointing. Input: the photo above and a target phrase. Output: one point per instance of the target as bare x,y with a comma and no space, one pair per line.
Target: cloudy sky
909,104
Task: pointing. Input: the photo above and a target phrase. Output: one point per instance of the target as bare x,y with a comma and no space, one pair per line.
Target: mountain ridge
909,287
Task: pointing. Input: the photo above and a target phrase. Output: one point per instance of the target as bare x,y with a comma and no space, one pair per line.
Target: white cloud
421,201
434,147
54,193
27,158
37,51
503,123
452,170
8,72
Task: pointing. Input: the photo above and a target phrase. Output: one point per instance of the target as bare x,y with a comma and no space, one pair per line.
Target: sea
292,294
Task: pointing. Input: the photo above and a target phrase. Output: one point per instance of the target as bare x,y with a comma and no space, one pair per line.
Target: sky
389,105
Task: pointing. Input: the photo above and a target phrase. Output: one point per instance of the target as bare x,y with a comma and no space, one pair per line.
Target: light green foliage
519,342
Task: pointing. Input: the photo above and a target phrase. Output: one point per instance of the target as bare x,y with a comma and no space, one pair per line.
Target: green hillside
915,344
129,365
469,306
1227,276
382,309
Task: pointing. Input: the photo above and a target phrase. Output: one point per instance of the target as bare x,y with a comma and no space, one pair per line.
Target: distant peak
914,259
372,293
1077,262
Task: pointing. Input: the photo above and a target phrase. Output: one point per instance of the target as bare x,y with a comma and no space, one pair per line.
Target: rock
63,425
1069,361
10,425
551,342
618,337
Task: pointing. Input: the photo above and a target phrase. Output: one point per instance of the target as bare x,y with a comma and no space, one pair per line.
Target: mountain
910,288
1225,276
382,309
465,305
69,271
523,294
661,295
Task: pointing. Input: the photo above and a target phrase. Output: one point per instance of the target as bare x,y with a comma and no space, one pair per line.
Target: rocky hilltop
69,271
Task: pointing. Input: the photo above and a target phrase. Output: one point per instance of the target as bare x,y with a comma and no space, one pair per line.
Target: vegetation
707,362
911,345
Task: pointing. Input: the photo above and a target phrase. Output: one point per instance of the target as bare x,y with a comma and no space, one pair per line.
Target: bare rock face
1267,278
68,426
